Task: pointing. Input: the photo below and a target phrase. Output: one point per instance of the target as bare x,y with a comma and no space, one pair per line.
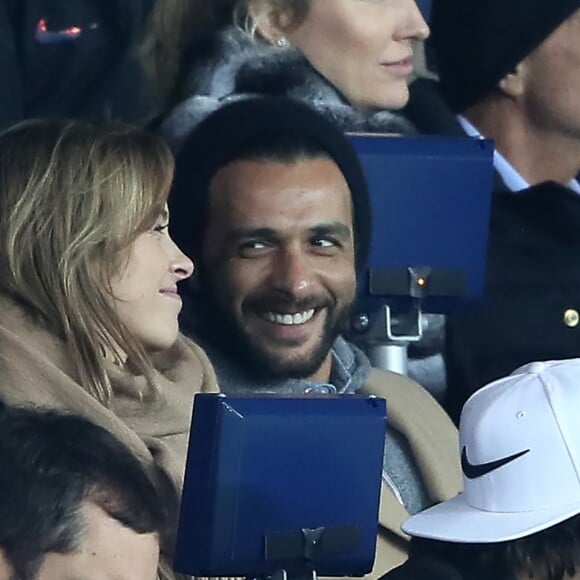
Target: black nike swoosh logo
473,471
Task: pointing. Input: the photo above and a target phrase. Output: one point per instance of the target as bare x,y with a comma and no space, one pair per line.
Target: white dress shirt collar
511,177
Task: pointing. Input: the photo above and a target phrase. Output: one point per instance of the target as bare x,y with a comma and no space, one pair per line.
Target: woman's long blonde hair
73,197
175,25
284,14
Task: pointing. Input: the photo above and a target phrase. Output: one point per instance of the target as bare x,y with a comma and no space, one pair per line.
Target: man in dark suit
509,70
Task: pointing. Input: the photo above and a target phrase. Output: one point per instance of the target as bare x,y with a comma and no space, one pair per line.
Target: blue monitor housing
281,483
431,200
425,7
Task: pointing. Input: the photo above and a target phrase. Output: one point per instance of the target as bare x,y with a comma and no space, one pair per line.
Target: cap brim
456,521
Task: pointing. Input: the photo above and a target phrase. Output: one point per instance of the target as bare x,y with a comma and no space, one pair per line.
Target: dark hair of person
554,552
50,465
268,129
551,554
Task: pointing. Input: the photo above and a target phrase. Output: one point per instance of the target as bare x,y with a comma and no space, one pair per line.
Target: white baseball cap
520,455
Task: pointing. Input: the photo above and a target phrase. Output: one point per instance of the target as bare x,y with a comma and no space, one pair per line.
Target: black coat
71,58
532,292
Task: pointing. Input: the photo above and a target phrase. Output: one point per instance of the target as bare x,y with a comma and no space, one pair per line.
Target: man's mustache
276,303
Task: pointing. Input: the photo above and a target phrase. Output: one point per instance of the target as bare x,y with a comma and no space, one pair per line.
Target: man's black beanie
222,136
478,42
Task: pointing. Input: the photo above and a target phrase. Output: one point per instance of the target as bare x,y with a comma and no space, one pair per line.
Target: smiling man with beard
270,200
279,252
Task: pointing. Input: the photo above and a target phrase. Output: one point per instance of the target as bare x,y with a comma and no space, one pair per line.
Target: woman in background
88,288
349,58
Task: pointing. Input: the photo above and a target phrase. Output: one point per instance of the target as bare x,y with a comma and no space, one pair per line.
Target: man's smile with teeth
288,319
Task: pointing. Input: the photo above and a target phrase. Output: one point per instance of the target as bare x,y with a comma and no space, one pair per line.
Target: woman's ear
270,23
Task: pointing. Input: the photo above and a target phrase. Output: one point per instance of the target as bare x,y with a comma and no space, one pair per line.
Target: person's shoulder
428,111
424,568
406,398
399,389
432,436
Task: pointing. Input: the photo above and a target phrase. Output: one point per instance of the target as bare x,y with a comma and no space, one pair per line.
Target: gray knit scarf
350,369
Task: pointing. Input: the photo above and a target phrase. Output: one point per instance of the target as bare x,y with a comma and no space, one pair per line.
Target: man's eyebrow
245,233
335,229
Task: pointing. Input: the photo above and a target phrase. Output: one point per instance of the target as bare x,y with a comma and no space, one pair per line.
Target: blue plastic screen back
430,199
260,469
425,7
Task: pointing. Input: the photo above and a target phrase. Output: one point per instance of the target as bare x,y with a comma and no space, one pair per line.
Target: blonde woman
351,59
88,287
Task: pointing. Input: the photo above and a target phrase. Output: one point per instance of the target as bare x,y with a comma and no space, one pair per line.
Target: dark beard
221,330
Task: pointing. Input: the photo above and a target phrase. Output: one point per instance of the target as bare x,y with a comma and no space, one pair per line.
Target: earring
282,42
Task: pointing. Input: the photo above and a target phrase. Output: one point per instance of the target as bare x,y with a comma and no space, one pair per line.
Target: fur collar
232,66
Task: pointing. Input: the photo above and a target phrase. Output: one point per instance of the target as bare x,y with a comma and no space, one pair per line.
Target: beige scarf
35,371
